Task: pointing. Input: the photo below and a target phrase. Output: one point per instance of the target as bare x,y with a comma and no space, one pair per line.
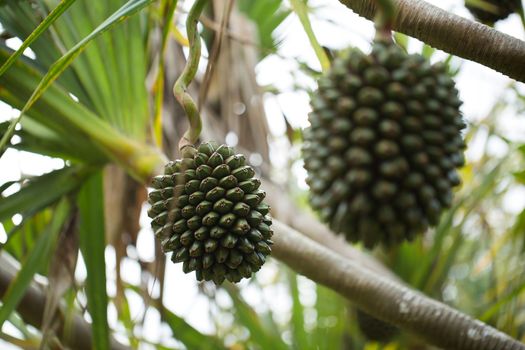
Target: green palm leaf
42,191
39,256
189,336
92,245
58,67
57,12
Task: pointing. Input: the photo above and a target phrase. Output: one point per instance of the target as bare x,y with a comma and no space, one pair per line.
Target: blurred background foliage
80,230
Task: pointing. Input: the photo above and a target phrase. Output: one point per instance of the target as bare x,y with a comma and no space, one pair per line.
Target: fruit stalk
180,89
384,18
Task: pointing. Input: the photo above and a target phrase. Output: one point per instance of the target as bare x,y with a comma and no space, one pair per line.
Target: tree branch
453,34
31,308
405,303
384,298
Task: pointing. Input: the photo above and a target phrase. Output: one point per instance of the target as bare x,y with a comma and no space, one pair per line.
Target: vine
180,89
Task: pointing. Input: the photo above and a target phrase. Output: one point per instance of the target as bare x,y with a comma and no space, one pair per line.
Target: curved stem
180,90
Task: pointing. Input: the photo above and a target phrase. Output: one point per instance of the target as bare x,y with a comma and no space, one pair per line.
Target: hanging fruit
208,210
384,144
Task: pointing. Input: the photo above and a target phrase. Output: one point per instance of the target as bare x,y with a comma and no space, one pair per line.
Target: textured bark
32,305
453,34
386,299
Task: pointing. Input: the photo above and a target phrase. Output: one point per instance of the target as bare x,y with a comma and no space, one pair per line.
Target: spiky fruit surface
374,329
383,145
208,209
495,10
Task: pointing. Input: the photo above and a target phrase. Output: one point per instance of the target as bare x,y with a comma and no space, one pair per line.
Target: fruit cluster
384,144
207,208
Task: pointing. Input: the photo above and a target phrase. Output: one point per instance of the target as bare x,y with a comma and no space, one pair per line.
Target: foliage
87,98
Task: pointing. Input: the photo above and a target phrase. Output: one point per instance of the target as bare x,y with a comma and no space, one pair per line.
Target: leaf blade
61,64
301,9
300,337
189,336
92,245
34,261
42,191
261,336
52,17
